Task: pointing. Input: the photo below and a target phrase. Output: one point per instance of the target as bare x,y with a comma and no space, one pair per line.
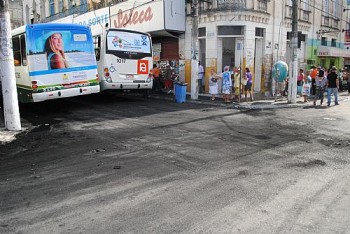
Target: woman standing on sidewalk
213,84
226,84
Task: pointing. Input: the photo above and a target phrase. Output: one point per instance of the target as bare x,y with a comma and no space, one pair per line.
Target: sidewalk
259,102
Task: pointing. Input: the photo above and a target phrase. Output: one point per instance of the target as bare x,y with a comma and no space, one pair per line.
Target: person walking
248,76
320,85
313,74
200,77
332,86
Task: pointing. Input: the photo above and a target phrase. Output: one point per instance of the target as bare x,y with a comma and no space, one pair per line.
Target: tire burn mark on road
334,143
308,164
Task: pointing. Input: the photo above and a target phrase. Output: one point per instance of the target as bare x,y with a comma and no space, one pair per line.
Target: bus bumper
39,97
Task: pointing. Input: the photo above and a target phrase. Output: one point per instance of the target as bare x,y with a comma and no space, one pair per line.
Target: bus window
23,50
97,46
16,51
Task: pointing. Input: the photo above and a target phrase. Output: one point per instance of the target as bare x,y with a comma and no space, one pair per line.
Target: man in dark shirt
332,86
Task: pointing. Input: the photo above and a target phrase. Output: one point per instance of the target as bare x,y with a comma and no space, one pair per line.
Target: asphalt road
107,164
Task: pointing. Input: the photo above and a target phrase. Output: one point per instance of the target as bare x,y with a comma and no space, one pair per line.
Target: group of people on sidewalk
231,85
317,82
165,82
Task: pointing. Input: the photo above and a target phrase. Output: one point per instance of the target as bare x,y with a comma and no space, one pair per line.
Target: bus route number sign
142,67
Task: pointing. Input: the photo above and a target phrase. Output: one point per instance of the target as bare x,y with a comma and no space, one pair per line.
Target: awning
327,51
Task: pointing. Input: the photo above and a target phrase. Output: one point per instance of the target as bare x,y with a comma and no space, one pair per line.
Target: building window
201,32
52,7
324,41
326,7
60,6
334,43
325,21
259,32
262,5
230,30
336,7
232,4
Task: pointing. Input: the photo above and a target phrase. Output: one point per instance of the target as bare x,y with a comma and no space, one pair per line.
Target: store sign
323,53
132,17
143,17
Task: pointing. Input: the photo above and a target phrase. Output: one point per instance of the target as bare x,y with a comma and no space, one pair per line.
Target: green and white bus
54,61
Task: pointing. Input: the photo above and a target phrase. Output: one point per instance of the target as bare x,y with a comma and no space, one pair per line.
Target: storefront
332,56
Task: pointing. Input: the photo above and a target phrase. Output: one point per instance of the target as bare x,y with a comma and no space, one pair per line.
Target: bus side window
16,51
23,50
97,46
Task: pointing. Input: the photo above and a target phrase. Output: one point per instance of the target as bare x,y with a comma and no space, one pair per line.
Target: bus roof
47,25
100,30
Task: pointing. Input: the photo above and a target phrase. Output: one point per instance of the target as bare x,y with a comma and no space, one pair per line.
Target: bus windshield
129,45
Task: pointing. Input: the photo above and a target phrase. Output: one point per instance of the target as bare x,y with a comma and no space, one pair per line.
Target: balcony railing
232,5
80,9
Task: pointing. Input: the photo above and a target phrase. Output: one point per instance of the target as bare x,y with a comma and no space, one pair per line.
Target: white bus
54,61
124,59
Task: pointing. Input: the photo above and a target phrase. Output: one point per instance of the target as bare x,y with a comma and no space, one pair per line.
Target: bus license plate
129,76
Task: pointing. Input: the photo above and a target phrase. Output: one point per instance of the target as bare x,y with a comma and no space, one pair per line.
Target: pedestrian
348,83
200,77
332,86
305,92
226,84
156,78
168,80
313,73
300,79
248,76
236,84
213,84
320,85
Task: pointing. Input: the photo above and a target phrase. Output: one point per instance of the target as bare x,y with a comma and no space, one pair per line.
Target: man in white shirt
200,77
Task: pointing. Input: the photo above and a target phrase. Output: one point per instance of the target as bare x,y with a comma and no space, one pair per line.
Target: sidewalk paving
259,103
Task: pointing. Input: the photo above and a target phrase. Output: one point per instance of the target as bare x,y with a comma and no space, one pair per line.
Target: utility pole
292,89
194,51
7,71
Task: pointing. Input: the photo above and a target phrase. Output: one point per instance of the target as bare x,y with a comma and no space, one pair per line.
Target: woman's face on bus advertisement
57,41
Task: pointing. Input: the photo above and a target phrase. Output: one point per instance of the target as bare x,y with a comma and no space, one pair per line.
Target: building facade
244,33
15,9
257,33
